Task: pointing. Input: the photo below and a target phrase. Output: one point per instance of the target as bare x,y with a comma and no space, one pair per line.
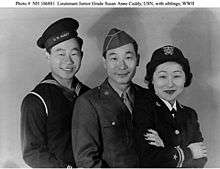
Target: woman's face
168,81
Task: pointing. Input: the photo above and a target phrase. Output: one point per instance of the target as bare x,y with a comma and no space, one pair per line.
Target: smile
122,74
67,69
170,92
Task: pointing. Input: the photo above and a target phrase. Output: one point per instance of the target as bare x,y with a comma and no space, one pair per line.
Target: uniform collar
75,81
130,91
170,107
118,91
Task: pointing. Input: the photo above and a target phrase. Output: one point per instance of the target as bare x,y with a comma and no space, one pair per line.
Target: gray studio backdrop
23,65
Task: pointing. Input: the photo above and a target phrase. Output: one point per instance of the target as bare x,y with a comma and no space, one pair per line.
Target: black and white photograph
109,87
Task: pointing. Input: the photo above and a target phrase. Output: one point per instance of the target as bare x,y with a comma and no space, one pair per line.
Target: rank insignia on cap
168,50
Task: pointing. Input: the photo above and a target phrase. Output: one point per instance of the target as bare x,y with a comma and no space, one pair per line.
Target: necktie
173,112
127,101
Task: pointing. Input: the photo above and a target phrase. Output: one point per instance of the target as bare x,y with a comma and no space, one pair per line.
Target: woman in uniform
168,133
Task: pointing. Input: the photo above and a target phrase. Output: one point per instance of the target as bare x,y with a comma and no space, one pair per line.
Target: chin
67,77
123,81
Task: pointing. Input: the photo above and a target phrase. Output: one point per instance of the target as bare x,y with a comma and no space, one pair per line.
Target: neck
172,102
64,82
121,87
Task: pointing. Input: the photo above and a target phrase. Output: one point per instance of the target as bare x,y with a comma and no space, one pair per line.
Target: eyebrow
162,71
112,53
178,71
77,49
129,52
60,49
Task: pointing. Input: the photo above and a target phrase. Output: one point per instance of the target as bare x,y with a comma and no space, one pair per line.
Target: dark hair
78,39
135,49
185,67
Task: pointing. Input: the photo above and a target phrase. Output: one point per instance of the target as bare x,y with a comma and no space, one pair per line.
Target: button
113,123
106,93
177,132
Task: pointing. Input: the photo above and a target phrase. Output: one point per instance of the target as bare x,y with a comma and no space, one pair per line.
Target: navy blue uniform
177,131
46,115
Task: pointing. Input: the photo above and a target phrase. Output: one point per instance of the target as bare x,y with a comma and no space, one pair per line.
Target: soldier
102,125
46,111
168,132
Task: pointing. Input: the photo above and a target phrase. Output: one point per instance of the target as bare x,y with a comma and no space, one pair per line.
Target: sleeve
33,134
86,140
152,156
196,137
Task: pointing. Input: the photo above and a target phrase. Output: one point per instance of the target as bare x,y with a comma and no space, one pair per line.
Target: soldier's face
120,64
168,81
65,59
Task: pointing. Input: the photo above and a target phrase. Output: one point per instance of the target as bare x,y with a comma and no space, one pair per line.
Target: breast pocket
114,133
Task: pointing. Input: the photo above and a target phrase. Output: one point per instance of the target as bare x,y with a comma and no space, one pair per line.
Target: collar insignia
158,104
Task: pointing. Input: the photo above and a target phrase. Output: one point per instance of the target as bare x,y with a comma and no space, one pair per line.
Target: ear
145,81
81,52
138,59
104,62
47,55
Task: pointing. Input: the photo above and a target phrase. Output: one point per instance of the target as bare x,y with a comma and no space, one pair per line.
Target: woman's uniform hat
116,38
168,54
57,32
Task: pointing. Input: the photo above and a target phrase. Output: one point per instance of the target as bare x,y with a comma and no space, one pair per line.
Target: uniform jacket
180,131
46,115
102,129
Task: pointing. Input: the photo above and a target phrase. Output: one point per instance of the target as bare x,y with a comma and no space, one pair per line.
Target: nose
170,81
122,64
68,59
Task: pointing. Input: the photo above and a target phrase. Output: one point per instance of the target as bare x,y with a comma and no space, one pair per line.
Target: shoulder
84,88
33,105
45,89
144,94
40,97
90,94
189,111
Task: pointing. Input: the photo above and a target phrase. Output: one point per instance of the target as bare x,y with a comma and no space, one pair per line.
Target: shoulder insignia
181,106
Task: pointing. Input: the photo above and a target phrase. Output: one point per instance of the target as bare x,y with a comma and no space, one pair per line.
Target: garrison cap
59,31
115,39
165,54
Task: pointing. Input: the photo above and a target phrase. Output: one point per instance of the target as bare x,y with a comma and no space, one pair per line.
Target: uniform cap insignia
168,50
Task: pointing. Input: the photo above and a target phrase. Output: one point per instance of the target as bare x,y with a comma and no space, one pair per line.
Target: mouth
122,74
170,92
68,69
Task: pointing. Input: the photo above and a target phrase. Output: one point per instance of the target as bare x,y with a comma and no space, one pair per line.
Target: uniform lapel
163,112
111,101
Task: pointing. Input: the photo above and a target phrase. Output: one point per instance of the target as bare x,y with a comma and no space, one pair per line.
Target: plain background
22,64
